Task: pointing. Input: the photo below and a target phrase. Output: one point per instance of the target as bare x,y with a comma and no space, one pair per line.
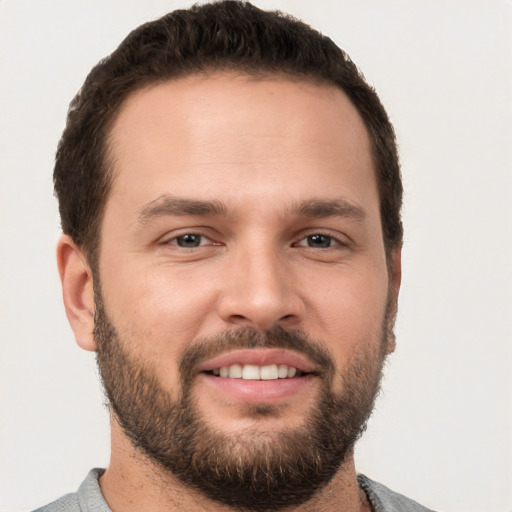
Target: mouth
258,375
254,372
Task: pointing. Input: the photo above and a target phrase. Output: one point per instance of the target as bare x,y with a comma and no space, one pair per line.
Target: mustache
249,337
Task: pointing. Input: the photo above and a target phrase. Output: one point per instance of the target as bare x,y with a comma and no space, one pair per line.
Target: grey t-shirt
88,498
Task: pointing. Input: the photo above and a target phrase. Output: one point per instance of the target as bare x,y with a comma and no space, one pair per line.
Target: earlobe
395,276
77,291
396,271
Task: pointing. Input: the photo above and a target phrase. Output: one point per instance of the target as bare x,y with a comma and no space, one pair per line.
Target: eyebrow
330,208
315,208
170,205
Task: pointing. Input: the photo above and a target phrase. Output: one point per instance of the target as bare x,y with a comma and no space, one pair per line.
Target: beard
256,469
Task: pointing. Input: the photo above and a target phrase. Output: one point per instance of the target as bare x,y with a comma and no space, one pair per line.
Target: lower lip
258,391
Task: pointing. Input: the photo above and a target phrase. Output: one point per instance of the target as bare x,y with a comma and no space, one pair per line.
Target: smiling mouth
255,372
259,376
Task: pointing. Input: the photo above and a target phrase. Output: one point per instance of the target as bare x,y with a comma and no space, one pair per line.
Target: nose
260,291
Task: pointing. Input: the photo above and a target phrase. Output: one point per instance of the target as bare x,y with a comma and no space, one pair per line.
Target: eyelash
174,240
333,241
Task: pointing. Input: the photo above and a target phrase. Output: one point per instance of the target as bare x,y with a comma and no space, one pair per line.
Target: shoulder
68,503
88,498
386,500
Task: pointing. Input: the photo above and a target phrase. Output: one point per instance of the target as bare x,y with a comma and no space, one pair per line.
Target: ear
396,273
77,291
395,279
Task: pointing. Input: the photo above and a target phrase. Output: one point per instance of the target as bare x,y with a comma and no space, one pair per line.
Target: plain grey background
442,429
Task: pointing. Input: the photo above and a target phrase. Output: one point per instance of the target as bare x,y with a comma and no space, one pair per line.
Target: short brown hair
228,35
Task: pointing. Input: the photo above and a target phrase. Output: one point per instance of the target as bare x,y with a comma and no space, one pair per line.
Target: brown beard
255,470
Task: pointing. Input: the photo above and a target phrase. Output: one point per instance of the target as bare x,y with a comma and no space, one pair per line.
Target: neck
132,483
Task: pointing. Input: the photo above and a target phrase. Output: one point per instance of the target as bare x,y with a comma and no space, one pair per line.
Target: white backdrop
442,430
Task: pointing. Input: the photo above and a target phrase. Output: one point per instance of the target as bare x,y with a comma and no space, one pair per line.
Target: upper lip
259,357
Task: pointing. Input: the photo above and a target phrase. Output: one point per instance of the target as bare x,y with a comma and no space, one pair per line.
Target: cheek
351,310
156,294
158,312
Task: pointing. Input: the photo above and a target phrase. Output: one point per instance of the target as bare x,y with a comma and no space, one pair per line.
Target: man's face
242,236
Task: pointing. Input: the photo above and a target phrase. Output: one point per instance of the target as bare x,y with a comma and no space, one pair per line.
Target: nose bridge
260,291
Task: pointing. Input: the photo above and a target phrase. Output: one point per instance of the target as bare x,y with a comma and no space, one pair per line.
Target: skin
259,148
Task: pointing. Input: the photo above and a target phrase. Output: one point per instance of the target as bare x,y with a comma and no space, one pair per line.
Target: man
230,197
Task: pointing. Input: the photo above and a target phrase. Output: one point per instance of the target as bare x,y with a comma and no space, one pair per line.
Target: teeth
282,371
251,372
269,372
254,372
235,371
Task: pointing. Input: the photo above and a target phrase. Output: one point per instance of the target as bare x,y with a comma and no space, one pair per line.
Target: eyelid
338,239
205,241
171,237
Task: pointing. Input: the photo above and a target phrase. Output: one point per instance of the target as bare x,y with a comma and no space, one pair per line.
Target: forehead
205,135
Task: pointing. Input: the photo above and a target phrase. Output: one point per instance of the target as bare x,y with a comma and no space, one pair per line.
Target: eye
189,240
318,241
